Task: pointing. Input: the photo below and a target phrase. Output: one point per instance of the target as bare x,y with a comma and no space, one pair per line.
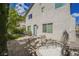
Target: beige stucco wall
60,17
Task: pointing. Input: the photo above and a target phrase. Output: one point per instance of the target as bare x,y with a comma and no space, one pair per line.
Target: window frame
28,28
56,7
45,28
30,16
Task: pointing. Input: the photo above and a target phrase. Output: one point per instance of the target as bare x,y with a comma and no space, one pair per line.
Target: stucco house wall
60,17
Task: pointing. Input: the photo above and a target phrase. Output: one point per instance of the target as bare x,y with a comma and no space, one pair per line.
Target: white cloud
24,6
75,14
20,9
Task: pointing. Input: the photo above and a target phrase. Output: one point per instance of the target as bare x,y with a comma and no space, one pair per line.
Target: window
44,27
42,9
47,28
29,28
30,16
57,5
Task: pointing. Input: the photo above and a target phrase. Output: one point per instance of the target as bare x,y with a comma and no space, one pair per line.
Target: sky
12,5
74,9
77,20
21,8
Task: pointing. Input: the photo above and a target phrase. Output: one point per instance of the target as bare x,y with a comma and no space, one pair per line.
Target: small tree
13,21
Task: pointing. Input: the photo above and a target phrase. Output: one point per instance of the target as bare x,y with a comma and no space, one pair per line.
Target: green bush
13,36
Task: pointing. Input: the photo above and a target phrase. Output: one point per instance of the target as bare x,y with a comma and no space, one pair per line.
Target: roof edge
29,9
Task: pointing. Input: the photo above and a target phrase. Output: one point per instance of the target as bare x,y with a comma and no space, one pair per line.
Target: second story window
57,5
30,16
42,9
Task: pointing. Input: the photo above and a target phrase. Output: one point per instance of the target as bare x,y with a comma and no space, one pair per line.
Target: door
35,30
